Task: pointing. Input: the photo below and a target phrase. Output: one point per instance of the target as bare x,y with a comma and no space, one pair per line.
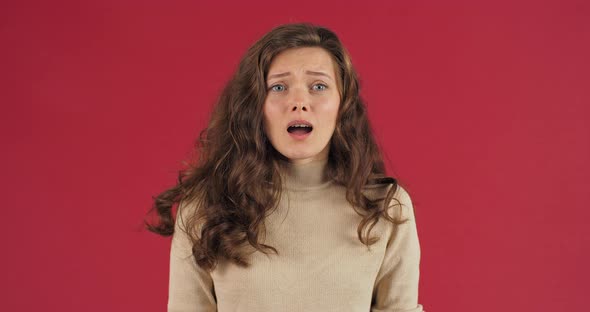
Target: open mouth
304,129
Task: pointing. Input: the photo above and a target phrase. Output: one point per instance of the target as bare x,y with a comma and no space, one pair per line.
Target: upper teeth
300,125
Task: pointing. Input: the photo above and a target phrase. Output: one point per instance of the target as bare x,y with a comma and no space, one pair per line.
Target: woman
277,212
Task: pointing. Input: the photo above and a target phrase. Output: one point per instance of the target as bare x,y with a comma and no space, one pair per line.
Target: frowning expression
302,89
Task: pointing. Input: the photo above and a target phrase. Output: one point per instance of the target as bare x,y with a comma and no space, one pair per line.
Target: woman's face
302,89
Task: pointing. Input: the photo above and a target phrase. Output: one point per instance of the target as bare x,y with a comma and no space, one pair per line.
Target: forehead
305,58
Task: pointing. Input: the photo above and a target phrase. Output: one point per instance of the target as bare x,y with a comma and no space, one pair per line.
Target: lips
300,122
297,130
299,127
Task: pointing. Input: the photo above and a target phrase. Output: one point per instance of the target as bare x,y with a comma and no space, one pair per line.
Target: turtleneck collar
304,177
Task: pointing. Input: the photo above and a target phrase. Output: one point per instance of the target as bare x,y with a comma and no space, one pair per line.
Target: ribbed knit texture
321,265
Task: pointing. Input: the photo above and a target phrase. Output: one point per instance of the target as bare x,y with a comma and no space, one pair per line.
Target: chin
299,155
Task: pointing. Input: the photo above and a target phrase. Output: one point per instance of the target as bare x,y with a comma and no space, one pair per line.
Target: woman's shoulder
378,187
400,199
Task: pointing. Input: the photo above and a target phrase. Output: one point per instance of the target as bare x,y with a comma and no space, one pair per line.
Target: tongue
300,130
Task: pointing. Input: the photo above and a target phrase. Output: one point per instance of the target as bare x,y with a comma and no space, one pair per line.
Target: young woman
277,213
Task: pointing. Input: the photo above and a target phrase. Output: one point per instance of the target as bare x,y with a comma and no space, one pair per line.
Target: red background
482,110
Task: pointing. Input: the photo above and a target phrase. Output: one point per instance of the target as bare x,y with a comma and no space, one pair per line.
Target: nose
298,99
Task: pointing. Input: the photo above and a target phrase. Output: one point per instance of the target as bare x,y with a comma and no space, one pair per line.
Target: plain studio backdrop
482,110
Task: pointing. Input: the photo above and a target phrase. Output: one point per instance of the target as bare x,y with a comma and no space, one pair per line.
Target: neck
304,177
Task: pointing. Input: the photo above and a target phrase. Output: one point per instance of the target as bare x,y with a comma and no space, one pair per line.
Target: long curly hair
234,183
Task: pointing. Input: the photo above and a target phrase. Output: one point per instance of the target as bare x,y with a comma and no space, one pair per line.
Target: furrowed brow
309,72
315,73
278,75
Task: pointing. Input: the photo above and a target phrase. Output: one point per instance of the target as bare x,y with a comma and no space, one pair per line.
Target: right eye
277,87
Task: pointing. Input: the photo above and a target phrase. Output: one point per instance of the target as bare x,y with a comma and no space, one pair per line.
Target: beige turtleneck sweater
321,266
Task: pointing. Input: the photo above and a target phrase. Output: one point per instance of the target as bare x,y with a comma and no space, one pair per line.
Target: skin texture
301,95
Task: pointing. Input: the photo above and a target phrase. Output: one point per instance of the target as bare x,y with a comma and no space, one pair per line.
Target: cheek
329,112
268,117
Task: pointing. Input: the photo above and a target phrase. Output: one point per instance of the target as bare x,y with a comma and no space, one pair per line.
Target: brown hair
235,181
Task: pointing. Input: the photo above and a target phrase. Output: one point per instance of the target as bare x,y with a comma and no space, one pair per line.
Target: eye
320,87
277,87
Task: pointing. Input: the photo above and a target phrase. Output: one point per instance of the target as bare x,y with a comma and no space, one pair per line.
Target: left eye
277,87
319,86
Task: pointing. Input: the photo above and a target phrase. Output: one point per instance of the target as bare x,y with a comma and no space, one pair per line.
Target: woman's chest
319,256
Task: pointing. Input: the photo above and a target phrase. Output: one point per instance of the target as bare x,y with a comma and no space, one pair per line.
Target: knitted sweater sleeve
190,286
396,285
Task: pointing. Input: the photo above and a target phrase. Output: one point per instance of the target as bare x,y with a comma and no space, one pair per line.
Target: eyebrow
309,72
